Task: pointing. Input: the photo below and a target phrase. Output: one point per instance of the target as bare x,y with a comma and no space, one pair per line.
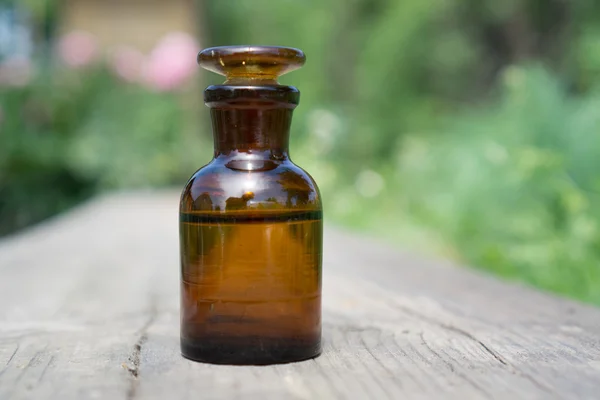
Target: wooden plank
89,309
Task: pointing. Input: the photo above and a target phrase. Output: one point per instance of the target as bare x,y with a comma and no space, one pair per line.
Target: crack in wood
9,360
473,338
135,357
31,362
385,369
499,358
13,355
45,369
452,368
482,345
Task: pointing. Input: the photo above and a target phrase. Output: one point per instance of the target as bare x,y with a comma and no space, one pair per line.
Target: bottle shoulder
250,185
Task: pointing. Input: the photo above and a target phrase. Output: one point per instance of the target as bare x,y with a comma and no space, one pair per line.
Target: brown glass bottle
251,222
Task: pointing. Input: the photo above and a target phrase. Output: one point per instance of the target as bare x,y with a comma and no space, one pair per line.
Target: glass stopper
251,65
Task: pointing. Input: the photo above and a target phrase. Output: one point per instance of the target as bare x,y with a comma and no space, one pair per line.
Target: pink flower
171,62
77,49
128,63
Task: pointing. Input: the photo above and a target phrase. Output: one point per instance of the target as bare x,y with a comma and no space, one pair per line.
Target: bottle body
251,273
251,244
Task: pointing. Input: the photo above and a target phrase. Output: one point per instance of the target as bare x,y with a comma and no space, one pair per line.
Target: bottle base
249,351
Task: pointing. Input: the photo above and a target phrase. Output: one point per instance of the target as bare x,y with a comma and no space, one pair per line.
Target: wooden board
89,310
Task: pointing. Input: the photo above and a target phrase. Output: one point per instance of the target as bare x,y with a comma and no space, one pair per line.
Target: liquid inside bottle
251,285
251,223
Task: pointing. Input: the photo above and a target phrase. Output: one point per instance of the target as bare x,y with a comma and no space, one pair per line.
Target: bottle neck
253,130
251,121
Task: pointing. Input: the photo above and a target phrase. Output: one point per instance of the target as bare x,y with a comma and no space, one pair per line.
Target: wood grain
89,310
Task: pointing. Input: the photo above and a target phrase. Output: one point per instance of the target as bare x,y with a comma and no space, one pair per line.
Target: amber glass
251,222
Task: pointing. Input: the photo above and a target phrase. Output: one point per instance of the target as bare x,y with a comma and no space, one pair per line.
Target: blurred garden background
468,129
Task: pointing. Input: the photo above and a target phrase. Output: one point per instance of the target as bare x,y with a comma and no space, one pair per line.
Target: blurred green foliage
510,188
464,128
69,134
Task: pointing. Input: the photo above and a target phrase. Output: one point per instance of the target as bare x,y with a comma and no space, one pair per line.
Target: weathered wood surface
89,310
